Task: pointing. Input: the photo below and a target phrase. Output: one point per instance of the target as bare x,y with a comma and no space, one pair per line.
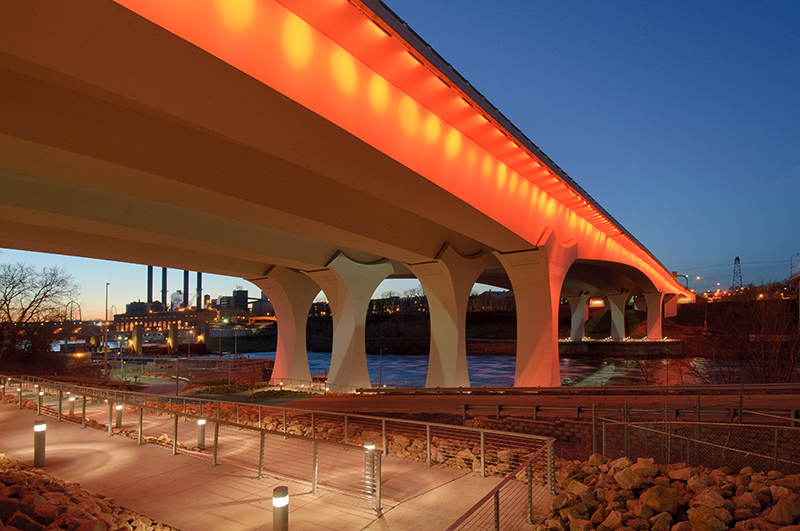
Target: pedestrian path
187,493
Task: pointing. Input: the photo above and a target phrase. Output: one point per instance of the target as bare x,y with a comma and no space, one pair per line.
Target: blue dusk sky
682,119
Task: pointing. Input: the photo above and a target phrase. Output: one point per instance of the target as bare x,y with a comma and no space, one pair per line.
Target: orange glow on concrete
237,15
297,40
333,58
344,73
378,93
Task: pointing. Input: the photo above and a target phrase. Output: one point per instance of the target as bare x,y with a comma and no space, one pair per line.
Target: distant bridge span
299,144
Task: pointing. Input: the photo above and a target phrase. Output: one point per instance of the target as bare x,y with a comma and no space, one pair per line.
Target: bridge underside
121,141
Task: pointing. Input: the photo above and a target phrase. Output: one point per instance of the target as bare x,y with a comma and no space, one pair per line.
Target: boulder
786,511
622,462
703,519
628,479
661,499
682,474
645,468
791,482
612,521
708,498
661,522
580,524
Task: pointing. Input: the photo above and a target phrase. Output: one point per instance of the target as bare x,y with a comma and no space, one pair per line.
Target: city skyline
681,120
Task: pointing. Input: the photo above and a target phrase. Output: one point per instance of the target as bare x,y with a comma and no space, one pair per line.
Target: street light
105,337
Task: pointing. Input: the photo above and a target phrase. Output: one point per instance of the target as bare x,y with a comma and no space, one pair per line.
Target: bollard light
19,397
280,508
201,434
118,423
71,406
369,444
39,427
39,403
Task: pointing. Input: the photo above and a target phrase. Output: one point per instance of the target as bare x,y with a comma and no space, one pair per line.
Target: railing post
594,428
383,437
604,439
261,455
741,405
626,429
284,421
313,426
260,423
83,410
175,435
346,435
141,414
428,443
60,402
551,468
775,464
497,510
377,481
669,442
237,413
529,478
483,454
314,466
696,427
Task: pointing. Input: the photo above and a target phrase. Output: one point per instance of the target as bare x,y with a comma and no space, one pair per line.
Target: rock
682,474
661,499
777,492
596,460
580,525
661,522
703,519
613,521
645,468
557,524
696,485
24,522
682,526
791,482
639,524
708,498
576,488
628,479
622,462
786,511
45,514
758,523
558,503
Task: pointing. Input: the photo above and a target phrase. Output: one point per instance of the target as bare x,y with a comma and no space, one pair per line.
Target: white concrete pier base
537,276
349,286
447,282
654,315
616,305
291,294
578,315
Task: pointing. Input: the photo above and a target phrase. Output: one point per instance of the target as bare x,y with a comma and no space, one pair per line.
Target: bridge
301,145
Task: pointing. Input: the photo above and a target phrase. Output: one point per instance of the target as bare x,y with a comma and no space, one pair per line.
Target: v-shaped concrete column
291,294
616,305
654,315
349,286
537,276
447,282
577,309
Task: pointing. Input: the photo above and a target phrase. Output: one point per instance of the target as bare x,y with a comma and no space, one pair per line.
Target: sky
681,119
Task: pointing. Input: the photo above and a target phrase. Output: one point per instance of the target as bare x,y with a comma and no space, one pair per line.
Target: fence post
529,477
237,413
378,481
551,468
141,413
60,401
483,454
604,438
383,437
775,465
216,443
497,510
741,405
313,426
260,426
261,456
284,421
594,428
175,436
314,466
346,435
428,443
626,429
83,410
696,427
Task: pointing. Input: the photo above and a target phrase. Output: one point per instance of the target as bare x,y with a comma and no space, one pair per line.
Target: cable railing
522,498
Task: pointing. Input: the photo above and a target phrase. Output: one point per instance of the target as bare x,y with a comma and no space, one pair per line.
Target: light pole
105,336
380,369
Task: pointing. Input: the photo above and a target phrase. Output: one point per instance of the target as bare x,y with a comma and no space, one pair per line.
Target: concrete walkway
187,493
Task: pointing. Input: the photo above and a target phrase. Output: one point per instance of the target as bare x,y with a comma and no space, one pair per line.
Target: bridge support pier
537,276
654,315
291,294
447,282
136,339
349,286
578,314
616,305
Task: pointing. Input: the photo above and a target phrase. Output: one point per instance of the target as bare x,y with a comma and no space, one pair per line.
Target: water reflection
498,371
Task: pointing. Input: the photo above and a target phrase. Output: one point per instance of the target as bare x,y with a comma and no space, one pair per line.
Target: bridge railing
521,499
484,451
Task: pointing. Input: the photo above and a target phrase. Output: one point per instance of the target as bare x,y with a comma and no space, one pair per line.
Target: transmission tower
737,275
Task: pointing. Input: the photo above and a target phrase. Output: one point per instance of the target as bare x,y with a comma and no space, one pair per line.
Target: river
498,371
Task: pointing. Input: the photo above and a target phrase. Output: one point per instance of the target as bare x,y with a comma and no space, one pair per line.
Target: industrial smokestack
164,287
149,284
199,290
185,303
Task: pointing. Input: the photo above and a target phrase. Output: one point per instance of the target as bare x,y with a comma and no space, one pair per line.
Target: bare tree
28,297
